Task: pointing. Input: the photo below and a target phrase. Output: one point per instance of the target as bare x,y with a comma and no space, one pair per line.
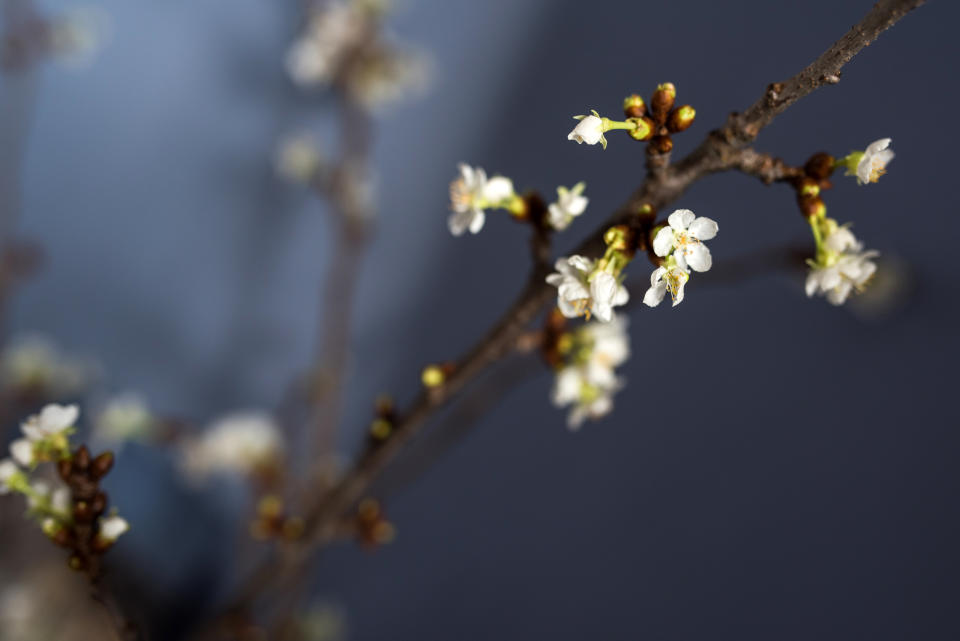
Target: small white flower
570,204
22,452
316,56
685,236
572,387
583,290
609,347
124,418
850,271
298,159
8,472
49,500
664,279
113,527
589,130
52,422
33,363
241,443
470,194
873,163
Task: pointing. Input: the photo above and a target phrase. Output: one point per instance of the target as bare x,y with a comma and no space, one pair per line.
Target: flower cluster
341,41
245,443
681,242
655,124
586,288
32,365
841,265
46,439
586,380
472,193
125,418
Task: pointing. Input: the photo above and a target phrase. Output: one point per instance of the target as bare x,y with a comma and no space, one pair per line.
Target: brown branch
723,150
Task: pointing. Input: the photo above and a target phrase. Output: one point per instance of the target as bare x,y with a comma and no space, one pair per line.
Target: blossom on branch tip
11,477
842,266
870,164
570,204
664,279
684,236
588,381
113,527
589,130
244,443
471,193
584,289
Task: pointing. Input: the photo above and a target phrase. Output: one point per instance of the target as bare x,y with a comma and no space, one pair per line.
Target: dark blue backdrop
805,488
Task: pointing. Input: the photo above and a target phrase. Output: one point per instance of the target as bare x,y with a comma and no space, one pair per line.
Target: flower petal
663,242
681,219
698,257
703,228
654,295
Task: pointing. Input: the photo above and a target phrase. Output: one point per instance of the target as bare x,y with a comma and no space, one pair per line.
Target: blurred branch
723,150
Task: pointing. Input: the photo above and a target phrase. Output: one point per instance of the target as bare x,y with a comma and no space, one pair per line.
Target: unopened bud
617,237
380,429
643,130
820,166
81,459
433,376
681,118
812,206
808,187
661,144
101,465
634,106
662,101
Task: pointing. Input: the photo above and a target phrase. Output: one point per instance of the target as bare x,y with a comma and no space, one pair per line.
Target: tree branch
723,150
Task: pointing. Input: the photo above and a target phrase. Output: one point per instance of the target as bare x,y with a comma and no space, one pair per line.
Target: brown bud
76,563
634,106
83,512
81,459
99,504
681,118
101,465
820,166
811,206
662,101
661,144
63,537
65,469
807,187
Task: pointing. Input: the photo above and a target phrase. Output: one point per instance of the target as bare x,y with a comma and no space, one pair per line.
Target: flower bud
808,187
661,144
812,206
380,429
617,237
820,166
643,130
101,465
662,101
681,118
433,376
634,106
81,459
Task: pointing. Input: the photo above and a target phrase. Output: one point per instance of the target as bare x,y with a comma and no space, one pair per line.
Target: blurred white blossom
570,204
33,363
471,193
588,381
298,158
242,443
842,266
126,417
78,35
113,527
589,130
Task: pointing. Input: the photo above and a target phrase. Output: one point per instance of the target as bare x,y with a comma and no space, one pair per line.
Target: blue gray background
776,468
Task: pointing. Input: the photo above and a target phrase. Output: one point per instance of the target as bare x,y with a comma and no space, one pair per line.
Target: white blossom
315,57
570,204
53,422
21,450
872,163
47,499
241,443
386,75
298,159
583,290
471,193
124,418
664,279
33,362
589,130
685,236
113,527
8,472
588,381
77,36
843,267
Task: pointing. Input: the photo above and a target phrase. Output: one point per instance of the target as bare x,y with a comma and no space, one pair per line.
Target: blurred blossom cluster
73,37
34,365
341,43
247,443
